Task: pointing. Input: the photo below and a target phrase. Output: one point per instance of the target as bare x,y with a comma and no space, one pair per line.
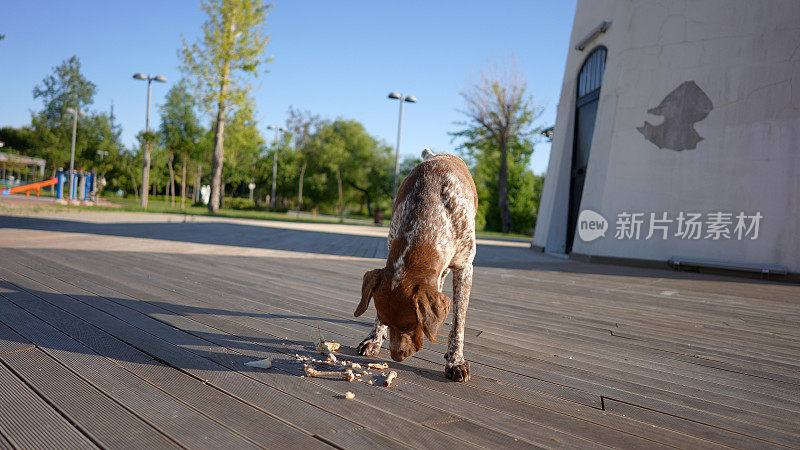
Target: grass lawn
157,205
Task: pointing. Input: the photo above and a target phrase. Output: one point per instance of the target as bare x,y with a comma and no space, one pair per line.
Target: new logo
591,225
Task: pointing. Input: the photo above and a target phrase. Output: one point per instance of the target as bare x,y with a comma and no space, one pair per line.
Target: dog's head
409,313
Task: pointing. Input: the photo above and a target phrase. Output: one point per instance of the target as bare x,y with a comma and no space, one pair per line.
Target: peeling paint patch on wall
682,108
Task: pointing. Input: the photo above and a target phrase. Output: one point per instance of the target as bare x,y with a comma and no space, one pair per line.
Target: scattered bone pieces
390,378
261,363
332,346
370,382
378,366
312,372
327,349
355,365
349,395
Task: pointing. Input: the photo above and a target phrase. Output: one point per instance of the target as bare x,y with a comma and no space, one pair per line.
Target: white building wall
745,56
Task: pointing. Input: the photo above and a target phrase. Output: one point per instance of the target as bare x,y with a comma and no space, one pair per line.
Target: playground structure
81,189
29,187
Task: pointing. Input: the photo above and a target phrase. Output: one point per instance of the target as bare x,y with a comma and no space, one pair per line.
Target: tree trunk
502,188
133,182
219,150
171,181
183,183
197,184
341,201
367,197
146,174
300,193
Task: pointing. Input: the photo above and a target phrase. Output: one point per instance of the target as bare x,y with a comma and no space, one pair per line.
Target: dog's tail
427,154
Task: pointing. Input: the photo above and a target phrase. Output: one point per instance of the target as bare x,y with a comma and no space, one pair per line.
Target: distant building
678,135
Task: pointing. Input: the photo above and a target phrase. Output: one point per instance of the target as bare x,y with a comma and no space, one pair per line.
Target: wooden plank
679,424
181,423
602,355
562,388
28,422
108,424
734,400
450,384
264,427
204,369
359,438
533,383
4,444
482,437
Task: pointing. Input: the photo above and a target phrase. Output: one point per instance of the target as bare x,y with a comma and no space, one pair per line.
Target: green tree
101,145
181,131
65,88
524,187
302,125
244,144
20,139
232,47
367,163
343,151
499,112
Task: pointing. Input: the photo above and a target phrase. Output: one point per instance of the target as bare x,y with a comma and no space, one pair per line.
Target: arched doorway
590,78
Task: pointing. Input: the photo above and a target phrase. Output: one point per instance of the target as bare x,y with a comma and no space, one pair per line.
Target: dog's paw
369,347
457,372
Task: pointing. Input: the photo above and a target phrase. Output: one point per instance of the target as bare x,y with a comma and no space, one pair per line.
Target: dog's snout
401,354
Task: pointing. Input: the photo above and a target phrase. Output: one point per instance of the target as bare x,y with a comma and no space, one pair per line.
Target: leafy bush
239,203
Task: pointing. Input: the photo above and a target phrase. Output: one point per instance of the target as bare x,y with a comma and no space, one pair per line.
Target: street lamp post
274,164
403,99
146,163
75,113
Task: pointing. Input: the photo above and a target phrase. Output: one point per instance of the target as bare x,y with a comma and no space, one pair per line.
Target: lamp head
411,99
140,76
160,78
394,95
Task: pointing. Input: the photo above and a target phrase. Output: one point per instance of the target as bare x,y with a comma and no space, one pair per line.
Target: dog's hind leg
457,369
371,346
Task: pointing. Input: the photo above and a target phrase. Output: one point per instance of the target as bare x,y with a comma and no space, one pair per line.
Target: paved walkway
122,330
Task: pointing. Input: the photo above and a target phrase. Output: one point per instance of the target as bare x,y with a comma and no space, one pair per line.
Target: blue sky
336,59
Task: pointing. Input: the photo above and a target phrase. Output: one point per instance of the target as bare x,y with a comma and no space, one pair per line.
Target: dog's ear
371,280
432,309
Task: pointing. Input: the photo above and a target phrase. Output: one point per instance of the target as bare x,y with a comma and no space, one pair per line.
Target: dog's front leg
371,346
457,368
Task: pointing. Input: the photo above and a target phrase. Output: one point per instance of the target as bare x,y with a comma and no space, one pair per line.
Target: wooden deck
123,331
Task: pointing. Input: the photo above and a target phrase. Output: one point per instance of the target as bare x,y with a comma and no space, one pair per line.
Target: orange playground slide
29,187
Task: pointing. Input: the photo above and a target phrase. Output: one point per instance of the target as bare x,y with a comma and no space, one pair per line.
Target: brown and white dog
432,232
